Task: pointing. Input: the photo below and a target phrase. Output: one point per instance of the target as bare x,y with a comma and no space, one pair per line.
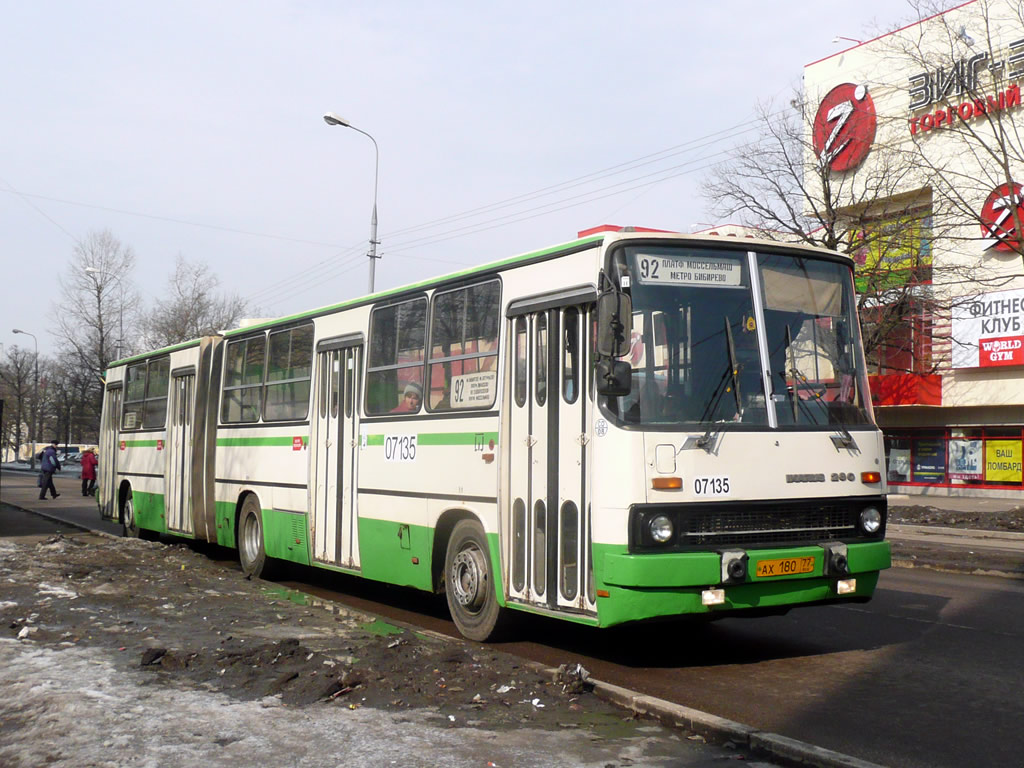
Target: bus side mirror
613,377
614,324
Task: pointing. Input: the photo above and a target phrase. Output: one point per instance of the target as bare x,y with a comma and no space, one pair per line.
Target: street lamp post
35,400
332,119
120,309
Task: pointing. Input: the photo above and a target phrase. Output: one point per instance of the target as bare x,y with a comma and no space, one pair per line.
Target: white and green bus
625,427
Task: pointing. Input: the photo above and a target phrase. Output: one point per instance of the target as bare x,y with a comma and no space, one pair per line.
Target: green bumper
636,587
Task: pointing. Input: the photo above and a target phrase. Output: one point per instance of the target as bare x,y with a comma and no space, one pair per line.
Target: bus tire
252,553
469,583
130,524
128,521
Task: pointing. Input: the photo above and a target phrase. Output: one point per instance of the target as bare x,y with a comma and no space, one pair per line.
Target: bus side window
540,362
396,356
243,380
289,371
521,355
463,361
134,396
158,378
571,356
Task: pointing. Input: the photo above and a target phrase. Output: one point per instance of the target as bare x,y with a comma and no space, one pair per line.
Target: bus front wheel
252,554
469,583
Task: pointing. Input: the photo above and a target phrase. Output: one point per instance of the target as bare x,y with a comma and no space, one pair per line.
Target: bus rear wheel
252,554
469,583
130,524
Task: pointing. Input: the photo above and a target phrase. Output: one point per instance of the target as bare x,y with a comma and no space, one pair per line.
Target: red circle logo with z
998,222
844,127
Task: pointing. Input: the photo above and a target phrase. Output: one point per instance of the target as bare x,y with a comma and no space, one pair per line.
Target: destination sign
687,270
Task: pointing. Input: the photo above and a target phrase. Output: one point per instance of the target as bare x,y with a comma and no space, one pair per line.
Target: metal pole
373,217
332,119
120,316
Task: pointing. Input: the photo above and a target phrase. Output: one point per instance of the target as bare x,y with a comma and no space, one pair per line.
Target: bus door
109,451
179,460
334,452
549,412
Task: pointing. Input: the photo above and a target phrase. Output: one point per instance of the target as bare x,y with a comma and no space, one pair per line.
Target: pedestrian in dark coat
89,462
48,464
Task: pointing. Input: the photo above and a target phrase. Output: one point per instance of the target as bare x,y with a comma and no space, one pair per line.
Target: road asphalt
18,489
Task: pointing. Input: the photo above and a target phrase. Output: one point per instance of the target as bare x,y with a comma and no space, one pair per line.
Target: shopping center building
916,132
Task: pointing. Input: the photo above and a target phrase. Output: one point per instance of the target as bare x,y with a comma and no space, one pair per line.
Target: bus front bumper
644,586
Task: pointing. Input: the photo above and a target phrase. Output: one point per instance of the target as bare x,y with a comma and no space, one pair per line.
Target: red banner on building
1008,350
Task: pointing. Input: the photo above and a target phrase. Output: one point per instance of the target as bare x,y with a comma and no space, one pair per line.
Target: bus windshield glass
714,344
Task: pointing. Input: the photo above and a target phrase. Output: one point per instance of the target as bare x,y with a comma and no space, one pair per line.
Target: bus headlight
661,529
870,520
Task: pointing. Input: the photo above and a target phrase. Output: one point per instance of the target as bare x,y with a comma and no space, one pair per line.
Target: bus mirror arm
614,377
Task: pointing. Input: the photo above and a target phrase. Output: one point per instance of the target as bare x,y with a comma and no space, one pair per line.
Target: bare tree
194,307
97,297
17,373
96,314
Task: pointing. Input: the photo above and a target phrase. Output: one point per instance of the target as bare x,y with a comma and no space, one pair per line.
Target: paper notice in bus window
695,270
474,390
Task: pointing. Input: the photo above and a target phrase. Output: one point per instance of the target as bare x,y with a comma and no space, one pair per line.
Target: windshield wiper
731,375
841,440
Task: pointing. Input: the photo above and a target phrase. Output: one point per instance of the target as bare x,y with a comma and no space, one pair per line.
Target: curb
761,743
965,533
54,519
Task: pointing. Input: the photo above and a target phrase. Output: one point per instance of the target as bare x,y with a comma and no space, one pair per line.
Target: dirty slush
122,652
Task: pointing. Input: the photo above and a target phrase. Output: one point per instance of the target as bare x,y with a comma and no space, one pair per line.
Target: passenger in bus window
411,398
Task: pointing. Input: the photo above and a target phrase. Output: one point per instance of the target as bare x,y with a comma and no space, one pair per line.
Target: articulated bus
630,426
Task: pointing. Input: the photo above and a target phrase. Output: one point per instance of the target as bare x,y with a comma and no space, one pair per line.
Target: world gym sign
988,330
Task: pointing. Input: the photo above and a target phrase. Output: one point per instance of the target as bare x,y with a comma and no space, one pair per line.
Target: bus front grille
754,524
743,528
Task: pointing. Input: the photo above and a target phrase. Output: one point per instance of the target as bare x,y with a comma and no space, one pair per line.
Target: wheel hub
467,578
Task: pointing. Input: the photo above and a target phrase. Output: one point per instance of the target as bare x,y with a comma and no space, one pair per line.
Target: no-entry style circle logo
844,127
998,224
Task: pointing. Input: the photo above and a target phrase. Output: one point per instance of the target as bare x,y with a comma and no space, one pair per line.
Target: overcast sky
196,128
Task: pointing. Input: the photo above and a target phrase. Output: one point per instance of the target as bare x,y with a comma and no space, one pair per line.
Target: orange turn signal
871,477
667,483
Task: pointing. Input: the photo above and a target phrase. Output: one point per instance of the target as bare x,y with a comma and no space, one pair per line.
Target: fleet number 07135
711,486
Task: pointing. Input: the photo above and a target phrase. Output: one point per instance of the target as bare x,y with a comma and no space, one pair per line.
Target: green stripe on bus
139,443
442,438
238,442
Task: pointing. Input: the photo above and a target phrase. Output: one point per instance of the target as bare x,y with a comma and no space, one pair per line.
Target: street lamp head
18,330
332,119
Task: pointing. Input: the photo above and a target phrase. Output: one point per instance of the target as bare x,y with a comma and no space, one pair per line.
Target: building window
956,457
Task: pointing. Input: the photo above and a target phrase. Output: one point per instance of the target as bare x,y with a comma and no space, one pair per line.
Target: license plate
787,566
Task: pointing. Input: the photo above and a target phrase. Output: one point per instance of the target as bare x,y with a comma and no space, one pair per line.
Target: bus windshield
713,343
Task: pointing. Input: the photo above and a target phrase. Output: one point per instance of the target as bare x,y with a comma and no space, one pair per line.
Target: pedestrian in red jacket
89,462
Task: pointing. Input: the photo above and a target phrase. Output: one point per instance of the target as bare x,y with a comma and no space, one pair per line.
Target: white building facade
935,109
